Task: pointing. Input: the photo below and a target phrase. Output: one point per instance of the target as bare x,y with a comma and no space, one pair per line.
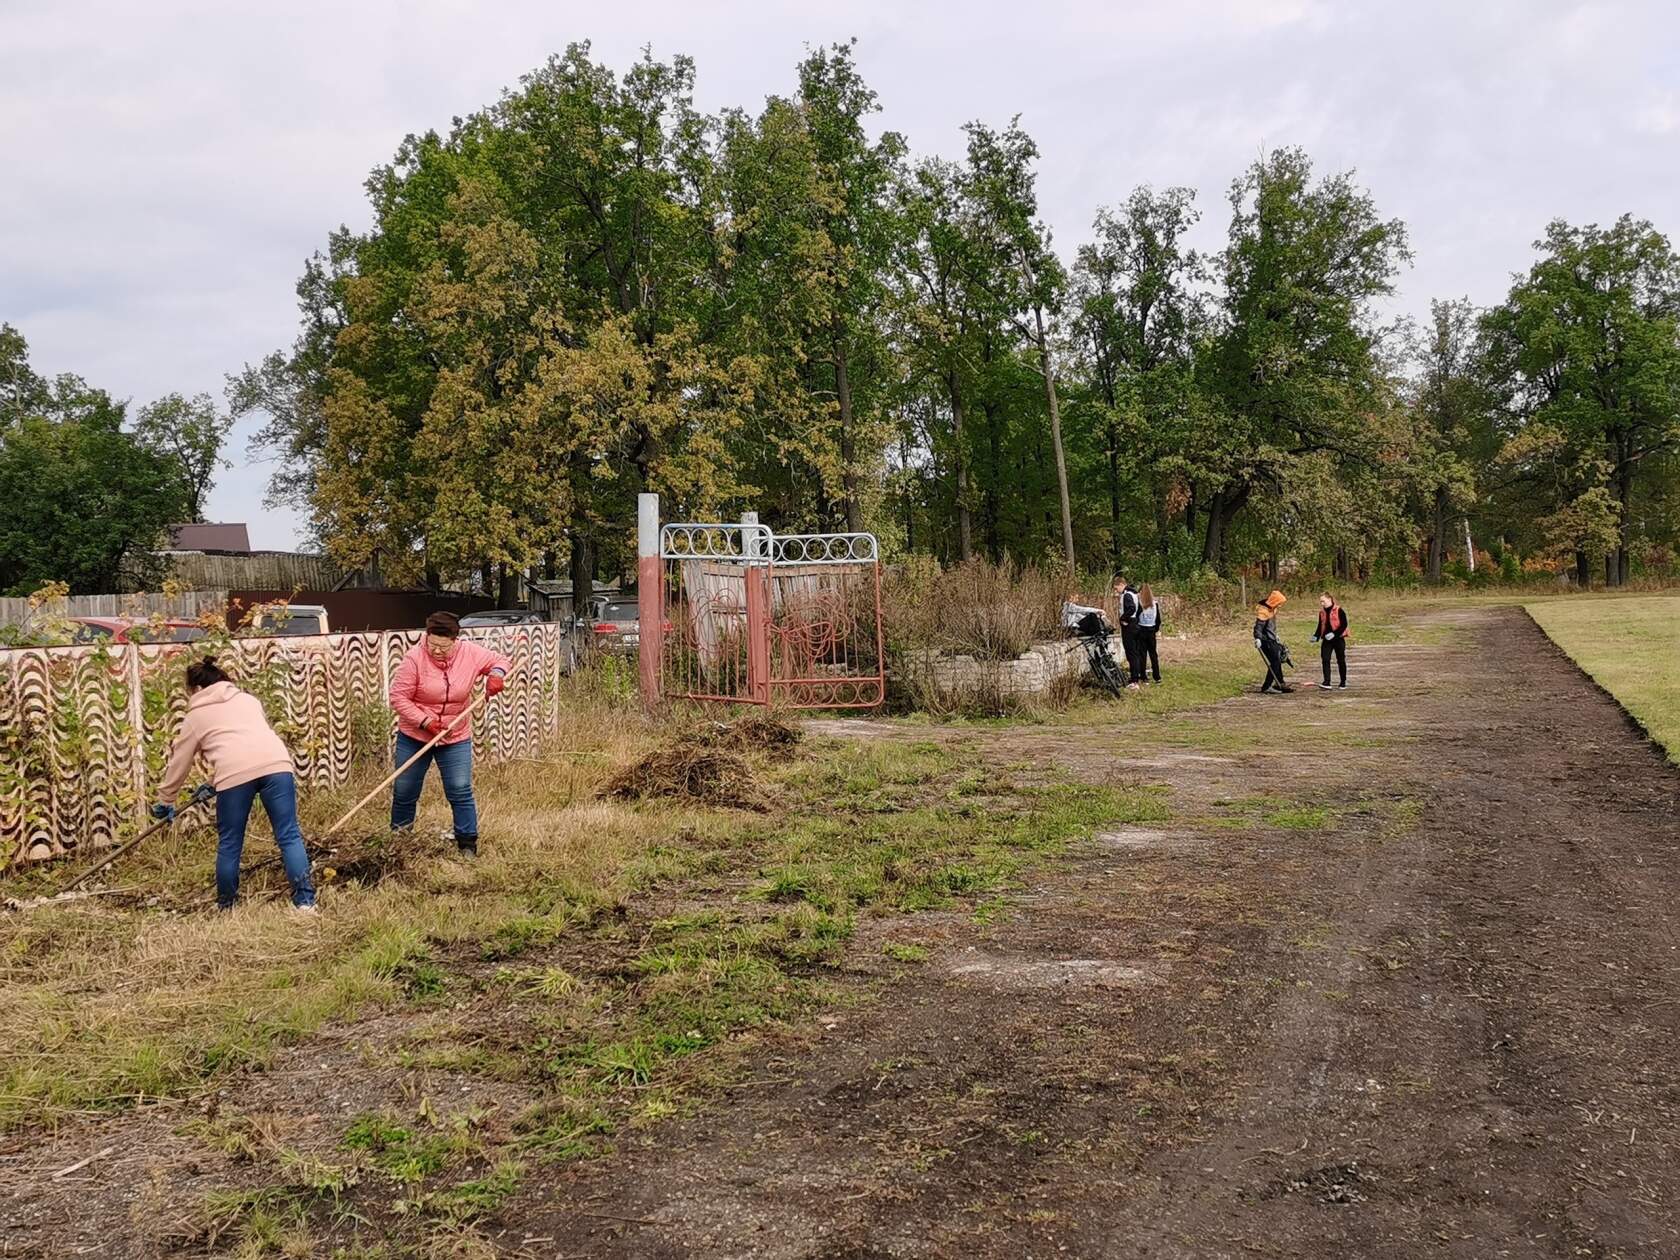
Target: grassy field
1631,647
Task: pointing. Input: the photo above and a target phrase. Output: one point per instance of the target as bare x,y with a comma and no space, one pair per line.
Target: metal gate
741,615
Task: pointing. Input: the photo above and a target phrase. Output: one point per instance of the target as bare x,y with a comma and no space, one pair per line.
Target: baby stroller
1092,631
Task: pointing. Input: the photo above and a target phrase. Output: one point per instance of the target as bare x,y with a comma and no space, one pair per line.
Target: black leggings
1274,668
1338,646
1146,652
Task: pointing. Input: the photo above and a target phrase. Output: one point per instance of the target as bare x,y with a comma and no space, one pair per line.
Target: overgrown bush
991,611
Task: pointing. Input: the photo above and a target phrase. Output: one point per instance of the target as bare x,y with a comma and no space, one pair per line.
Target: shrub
991,611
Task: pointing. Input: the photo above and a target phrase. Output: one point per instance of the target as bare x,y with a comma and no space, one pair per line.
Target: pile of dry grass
688,771
758,731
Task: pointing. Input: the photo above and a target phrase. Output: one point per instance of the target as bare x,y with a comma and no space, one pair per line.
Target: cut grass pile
1630,646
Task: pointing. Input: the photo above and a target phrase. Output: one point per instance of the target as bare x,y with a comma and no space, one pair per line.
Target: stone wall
1032,673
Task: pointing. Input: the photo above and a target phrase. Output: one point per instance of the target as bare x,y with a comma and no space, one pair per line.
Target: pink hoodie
229,729
425,688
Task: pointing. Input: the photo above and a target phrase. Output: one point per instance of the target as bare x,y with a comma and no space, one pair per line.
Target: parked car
501,617
615,624
525,617
134,630
292,619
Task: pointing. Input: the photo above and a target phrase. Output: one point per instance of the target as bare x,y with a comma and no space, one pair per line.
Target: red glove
493,683
429,723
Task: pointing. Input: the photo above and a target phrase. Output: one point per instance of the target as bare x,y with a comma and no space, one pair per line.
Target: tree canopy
590,288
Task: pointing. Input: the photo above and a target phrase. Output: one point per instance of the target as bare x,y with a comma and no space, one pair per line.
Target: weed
905,953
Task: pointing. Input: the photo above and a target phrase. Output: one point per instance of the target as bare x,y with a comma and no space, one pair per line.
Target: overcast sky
166,166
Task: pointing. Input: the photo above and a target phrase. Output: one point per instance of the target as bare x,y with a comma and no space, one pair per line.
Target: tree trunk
1437,537
1583,571
965,521
549,565
486,577
909,496
1221,513
507,596
1624,532
848,445
1113,496
1056,439
582,566
990,507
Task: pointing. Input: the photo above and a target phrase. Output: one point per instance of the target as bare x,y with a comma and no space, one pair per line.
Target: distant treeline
590,289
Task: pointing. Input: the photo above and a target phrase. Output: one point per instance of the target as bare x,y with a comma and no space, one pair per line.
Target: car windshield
620,612
494,618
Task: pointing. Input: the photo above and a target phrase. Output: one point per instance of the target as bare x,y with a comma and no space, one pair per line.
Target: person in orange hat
1266,642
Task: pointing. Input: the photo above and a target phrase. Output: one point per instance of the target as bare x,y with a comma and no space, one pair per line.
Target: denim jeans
233,811
454,763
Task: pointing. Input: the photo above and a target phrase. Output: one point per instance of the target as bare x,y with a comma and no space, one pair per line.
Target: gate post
650,596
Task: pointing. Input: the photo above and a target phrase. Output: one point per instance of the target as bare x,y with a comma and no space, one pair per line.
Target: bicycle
1092,633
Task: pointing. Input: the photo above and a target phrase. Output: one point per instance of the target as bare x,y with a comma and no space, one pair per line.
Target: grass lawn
1631,647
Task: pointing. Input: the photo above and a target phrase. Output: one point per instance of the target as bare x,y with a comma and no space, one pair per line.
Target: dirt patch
1146,840
1015,973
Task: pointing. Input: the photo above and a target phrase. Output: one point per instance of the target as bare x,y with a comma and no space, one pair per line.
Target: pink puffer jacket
439,690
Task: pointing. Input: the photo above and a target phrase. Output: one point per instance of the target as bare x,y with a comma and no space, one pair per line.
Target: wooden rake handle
419,753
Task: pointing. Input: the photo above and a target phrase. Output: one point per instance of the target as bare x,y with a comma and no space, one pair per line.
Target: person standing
1267,643
1126,613
1332,637
1148,631
248,761
431,688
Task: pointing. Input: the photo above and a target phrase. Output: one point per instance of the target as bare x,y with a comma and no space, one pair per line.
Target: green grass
1630,646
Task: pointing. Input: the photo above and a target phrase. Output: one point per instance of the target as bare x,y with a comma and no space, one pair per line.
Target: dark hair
204,673
446,625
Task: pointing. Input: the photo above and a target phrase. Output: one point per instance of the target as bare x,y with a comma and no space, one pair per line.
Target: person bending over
228,728
1267,643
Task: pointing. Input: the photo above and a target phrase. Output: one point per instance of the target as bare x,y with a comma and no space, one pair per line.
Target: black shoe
1286,691
1343,687
466,846
1325,685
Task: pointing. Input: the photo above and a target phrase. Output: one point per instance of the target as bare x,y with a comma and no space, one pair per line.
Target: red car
130,630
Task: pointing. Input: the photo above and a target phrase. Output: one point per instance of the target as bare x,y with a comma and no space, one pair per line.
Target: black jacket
1265,633
1128,608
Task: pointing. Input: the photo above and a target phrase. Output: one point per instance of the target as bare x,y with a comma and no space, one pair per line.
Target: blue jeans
233,811
454,763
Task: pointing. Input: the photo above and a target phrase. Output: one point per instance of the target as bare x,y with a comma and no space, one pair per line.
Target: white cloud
169,165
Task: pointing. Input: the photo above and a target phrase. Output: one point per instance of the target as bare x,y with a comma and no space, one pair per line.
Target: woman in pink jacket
433,686
228,728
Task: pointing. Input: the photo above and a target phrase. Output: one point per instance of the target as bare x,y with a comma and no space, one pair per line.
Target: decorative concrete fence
85,731
1035,672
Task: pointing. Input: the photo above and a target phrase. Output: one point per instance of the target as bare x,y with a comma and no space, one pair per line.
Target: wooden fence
187,606
85,731
258,570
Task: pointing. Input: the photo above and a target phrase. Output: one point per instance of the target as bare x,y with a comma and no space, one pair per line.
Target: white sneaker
311,911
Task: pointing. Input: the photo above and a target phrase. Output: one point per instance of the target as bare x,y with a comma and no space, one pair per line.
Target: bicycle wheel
1106,672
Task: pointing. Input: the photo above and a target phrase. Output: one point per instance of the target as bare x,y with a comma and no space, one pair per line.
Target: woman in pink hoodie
433,686
228,728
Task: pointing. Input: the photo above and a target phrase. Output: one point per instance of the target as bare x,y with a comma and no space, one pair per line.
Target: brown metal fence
753,618
85,731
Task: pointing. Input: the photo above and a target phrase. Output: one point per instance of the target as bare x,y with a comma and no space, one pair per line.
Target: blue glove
162,812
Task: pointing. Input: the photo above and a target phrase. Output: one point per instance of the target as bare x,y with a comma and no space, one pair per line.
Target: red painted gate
741,615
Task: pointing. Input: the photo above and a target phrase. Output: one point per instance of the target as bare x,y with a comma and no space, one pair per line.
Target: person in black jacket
1267,643
1147,632
1126,613
1332,637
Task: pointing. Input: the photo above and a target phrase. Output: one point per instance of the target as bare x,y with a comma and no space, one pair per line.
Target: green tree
1587,347
1032,281
190,433
82,501
1137,316
1454,408
1295,365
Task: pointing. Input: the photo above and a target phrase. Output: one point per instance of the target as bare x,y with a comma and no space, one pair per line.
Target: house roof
205,536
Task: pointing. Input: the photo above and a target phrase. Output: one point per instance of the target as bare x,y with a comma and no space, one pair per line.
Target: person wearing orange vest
1332,637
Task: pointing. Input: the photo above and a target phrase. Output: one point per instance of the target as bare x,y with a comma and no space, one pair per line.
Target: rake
202,793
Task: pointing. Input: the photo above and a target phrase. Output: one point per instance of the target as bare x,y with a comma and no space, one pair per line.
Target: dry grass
992,611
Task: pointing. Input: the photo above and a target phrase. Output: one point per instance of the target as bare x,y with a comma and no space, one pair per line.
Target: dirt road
1402,978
